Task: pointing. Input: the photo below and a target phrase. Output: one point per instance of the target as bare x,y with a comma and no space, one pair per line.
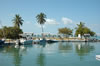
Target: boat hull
27,42
1,42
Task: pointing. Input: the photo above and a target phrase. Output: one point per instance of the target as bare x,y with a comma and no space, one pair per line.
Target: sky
60,13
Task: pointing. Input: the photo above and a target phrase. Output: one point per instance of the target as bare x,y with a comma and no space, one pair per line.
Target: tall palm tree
18,21
41,20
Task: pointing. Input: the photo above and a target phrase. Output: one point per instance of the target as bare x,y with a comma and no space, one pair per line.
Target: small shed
87,35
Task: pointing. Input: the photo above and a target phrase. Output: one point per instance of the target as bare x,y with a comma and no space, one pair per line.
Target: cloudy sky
60,13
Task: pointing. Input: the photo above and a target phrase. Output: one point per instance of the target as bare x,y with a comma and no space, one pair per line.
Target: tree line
80,29
14,31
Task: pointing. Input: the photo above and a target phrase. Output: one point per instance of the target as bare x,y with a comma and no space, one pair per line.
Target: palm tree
41,20
18,21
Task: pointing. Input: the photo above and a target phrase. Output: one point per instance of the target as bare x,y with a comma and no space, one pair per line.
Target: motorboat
43,42
26,41
2,42
98,57
51,41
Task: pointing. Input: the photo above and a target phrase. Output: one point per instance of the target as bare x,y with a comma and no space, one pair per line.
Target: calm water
56,54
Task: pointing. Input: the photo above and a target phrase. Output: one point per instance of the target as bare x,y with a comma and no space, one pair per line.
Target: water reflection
41,52
1,48
83,49
17,56
15,51
41,58
43,44
65,47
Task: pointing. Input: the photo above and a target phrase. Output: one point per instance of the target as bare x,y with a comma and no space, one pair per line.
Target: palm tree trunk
42,28
42,31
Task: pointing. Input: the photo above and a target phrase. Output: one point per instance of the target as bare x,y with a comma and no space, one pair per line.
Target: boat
51,41
98,57
42,41
25,41
2,42
36,41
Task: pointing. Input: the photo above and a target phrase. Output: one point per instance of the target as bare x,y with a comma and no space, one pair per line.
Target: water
98,37
56,54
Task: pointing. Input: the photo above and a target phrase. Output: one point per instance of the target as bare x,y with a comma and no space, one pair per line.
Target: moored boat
22,41
98,56
51,41
2,42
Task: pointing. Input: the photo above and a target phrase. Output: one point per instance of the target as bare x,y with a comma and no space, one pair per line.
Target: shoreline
13,41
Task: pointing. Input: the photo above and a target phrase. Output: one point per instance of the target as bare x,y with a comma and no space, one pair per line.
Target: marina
66,53
49,33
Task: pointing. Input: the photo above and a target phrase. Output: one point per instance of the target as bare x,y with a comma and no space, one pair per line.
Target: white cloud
51,22
66,20
48,22
38,25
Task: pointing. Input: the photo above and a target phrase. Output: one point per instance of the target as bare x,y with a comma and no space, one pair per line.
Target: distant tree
11,32
18,21
65,31
41,20
92,33
82,29
1,34
79,29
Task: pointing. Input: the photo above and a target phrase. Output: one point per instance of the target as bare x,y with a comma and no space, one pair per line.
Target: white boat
23,41
98,56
